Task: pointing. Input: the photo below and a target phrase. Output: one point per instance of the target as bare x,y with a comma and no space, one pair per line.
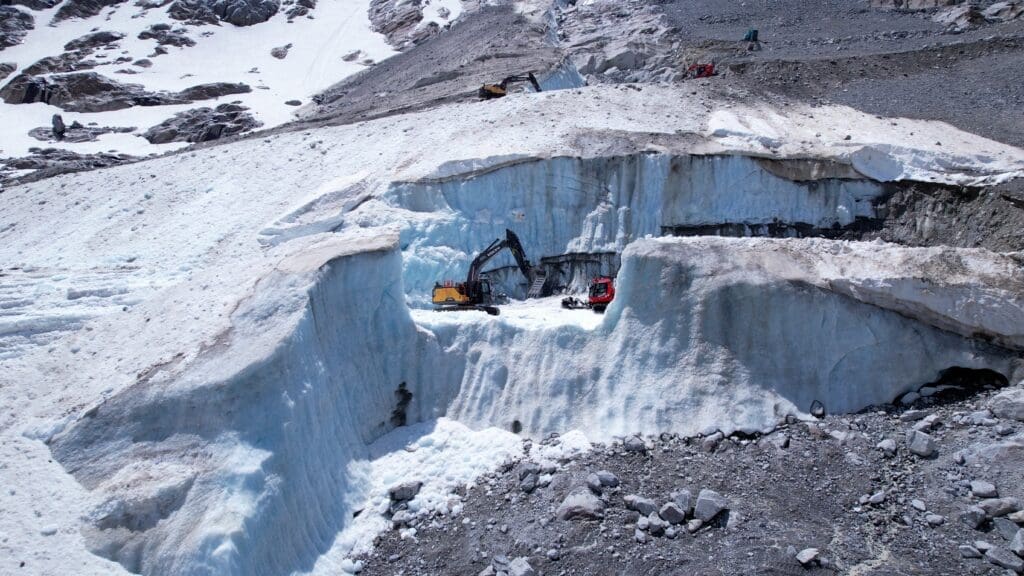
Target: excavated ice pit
257,457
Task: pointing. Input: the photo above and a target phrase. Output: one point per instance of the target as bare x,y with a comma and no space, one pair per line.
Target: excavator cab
499,90
475,293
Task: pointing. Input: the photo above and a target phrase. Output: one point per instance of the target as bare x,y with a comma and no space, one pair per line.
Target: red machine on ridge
601,293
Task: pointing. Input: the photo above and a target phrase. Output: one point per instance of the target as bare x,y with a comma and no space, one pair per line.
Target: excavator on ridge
491,91
475,293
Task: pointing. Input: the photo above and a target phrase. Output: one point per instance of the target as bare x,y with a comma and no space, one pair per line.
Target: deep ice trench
254,472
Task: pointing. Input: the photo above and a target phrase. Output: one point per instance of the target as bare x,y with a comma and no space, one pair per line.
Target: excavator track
492,310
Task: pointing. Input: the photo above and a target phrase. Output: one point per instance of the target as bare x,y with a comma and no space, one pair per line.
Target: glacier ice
259,443
568,205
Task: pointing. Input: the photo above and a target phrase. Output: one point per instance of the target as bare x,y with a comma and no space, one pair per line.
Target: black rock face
94,40
203,125
237,12
83,8
14,24
6,68
165,36
33,4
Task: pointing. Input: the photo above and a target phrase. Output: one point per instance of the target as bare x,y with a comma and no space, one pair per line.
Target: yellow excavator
490,91
475,292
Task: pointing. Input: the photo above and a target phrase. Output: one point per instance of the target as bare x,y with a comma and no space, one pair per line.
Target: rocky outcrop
76,132
913,4
67,62
93,41
83,8
49,162
960,18
237,12
6,68
298,8
92,92
1004,11
165,36
14,24
401,22
214,90
82,92
202,125
34,4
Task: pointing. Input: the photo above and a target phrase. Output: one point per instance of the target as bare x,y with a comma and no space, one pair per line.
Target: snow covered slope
237,318
315,59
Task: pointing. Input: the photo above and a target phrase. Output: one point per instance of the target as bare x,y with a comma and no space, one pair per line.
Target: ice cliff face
599,205
238,466
254,444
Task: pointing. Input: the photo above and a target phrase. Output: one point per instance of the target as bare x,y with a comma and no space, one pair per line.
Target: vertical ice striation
591,205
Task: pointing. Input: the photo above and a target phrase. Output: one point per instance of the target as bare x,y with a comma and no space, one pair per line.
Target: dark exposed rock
76,132
83,92
83,8
143,63
14,24
147,4
50,162
94,40
6,68
92,92
202,125
237,12
67,62
301,8
33,4
213,90
293,103
281,52
165,36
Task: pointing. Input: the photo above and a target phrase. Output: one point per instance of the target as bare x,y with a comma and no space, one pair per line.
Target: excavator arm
511,242
489,91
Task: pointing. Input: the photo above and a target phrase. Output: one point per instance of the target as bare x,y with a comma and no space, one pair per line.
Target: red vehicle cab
602,292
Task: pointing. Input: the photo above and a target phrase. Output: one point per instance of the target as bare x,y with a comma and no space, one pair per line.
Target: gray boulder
1017,544
640,504
1008,404
6,68
1005,559
920,443
1005,527
974,517
607,479
580,504
808,556
635,444
995,507
982,489
684,500
405,491
709,504
672,513
520,567
14,25
281,52
93,41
